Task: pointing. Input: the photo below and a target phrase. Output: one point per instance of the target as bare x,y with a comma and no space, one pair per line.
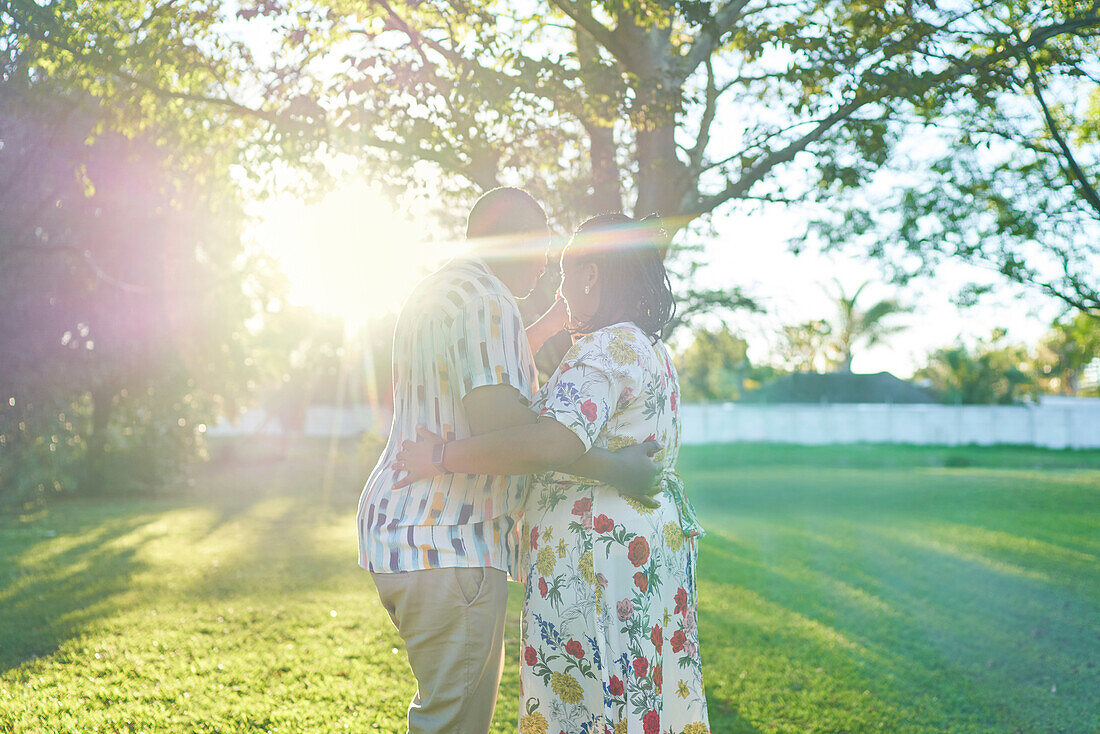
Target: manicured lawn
866,588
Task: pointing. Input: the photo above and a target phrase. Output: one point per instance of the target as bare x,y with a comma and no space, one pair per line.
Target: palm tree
862,327
807,347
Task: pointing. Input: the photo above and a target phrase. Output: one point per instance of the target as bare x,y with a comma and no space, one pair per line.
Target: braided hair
634,285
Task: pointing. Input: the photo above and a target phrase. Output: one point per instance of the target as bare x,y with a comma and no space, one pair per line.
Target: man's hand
547,325
637,474
415,458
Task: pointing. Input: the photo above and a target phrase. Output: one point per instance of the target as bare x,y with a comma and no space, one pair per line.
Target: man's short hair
505,211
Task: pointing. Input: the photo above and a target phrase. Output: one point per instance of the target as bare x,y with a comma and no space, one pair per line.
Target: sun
351,254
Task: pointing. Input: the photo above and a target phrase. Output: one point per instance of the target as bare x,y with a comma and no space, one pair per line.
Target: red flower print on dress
588,408
651,722
574,648
651,437
625,397
530,655
641,665
615,686
656,636
672,400
603,524
583,505
535,537
641,581
543,589
681,601
638,551
678,640
658,677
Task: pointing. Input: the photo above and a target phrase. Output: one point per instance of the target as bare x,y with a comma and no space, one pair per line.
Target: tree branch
703,46
103,64
1075,174
603,35
1040,36
758,171
695,155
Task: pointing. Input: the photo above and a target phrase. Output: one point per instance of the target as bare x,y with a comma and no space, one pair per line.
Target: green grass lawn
842,589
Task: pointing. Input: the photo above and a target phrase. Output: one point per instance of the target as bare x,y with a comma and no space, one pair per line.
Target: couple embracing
569,489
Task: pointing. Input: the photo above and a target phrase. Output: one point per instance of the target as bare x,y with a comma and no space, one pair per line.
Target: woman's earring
587,289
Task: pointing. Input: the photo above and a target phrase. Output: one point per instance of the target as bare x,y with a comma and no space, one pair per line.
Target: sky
751,250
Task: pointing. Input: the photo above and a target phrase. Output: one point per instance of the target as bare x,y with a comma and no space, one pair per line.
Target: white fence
320,420
1053,424
1057,424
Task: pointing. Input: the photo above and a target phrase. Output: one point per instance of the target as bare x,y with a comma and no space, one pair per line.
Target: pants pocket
470,582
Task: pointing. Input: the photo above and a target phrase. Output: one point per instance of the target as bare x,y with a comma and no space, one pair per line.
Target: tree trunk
95,459
663,179
661,175
606,187
599,85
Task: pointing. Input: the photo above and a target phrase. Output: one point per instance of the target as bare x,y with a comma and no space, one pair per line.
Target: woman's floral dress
610,643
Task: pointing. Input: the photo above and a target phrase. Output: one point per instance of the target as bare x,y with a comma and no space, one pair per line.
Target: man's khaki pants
452,622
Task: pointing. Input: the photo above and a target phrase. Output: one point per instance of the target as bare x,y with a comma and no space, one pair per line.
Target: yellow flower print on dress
574,350
696,727
639,507
621,332
584,565
561,548
682,689
567,687
621,353
620,726
533,723
546,561
674,536
620,442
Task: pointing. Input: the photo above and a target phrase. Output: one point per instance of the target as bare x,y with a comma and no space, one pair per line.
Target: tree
680,108
1010,184
121,268
715,367
863,327
1069,347
300,352
992,373
807,347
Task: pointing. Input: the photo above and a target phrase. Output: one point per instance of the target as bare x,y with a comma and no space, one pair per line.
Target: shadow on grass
56,586
934,637
1055,509
265,469
63,572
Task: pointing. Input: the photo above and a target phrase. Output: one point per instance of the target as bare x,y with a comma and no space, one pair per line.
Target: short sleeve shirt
460,329
615,388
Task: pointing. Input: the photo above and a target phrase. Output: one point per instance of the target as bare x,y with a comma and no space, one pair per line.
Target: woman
610,641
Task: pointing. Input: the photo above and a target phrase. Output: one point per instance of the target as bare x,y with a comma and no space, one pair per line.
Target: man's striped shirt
459,329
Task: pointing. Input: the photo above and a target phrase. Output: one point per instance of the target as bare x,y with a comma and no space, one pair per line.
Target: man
440,551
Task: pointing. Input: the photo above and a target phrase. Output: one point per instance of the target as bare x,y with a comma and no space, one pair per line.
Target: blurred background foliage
135,135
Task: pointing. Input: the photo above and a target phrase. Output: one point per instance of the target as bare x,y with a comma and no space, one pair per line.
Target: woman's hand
415,458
